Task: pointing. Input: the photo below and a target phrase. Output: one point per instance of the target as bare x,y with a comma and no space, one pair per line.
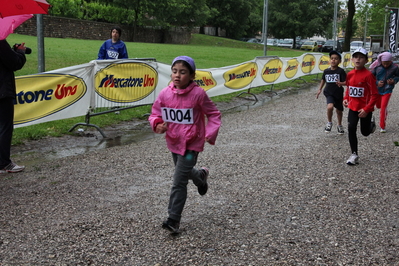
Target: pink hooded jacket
184,111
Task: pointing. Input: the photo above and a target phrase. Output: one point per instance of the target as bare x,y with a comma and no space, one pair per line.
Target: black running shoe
204,188
373,126
171,225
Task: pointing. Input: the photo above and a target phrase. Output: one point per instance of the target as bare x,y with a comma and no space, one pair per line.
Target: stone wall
59,27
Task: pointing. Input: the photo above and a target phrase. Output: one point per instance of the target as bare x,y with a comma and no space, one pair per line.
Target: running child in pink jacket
188,117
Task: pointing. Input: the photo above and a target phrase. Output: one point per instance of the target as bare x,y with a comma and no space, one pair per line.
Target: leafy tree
305,18
66,8
236,17
376,14
184,13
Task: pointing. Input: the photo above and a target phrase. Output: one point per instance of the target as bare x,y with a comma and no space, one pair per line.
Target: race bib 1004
179,116
356,91
332,78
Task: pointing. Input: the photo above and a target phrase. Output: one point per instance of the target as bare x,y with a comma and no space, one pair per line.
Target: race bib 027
356,91
332,78
179,116
112,54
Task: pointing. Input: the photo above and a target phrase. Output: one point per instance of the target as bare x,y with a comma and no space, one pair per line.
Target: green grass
208,52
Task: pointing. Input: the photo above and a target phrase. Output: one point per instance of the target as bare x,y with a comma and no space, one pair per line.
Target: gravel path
280,194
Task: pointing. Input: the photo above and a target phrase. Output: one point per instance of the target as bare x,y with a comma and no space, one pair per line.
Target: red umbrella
9,24
20,7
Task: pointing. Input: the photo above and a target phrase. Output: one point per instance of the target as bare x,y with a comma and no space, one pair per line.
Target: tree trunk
349,24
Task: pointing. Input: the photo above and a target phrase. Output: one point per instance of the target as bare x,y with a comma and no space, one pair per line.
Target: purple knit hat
187,59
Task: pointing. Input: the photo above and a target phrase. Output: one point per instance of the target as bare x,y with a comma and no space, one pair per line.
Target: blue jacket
382,73
111,50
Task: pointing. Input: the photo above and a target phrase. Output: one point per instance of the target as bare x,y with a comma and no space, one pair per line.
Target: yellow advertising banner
78,90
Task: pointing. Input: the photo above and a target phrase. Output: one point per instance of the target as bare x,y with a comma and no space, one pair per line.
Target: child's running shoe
171,225
383,130
340,129
328,127
204,188
353,159
373,126
12,168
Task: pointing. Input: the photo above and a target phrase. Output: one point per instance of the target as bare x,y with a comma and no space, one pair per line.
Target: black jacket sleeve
10,61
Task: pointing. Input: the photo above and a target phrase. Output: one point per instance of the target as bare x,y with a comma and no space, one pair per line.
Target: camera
27,49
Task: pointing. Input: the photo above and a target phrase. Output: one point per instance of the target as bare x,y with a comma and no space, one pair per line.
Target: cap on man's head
335,52
360,50
187,59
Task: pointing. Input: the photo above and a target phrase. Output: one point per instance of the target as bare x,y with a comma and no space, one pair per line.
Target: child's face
359,60
386,64
115,35
181,76
334,60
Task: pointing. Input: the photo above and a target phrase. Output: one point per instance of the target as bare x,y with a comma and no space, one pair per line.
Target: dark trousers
6,129
184,171
365,127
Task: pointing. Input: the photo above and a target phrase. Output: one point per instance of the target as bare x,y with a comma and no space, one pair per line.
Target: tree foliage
184,13
304,18
238,18
376,16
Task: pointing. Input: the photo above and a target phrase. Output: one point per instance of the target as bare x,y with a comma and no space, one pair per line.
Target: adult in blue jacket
113,48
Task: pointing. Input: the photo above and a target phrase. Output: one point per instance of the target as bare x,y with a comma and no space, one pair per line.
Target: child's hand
161,128
381,83
318,93
391,81
362,113
345,103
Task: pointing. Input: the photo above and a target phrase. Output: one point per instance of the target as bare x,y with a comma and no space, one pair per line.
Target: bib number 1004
179,116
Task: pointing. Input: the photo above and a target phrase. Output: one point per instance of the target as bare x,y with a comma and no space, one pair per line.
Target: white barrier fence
78,90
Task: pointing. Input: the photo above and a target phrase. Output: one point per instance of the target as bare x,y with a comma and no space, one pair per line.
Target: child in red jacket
360,97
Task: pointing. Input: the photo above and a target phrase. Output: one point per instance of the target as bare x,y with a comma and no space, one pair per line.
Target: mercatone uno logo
292,68
42,95
126,82
308,63
324,62
272,70
347,60
205,80
240,76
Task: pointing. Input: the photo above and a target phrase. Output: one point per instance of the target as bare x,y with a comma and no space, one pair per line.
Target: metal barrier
105,110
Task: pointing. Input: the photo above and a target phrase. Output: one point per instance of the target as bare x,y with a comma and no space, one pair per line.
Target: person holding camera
11,59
